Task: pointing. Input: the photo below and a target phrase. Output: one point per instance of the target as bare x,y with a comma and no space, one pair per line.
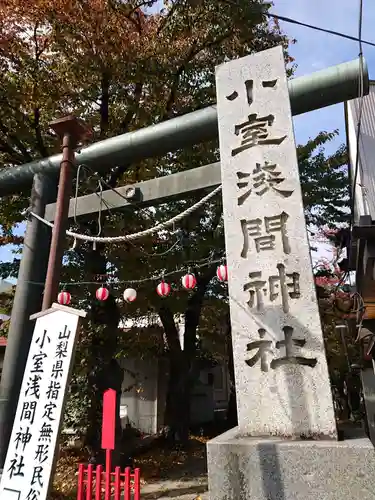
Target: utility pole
71,130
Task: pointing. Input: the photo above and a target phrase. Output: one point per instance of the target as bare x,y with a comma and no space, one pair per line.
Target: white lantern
130,295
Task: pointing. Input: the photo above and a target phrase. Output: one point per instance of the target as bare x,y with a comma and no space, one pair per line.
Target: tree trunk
177,410
181,362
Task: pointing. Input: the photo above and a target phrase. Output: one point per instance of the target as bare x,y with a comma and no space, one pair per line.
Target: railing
96,484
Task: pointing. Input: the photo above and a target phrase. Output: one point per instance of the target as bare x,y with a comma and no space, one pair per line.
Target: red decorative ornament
222,272
189,281
130,295
64,298
163,289
102,293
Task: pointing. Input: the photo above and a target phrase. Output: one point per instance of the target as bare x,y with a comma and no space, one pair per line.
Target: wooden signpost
32,451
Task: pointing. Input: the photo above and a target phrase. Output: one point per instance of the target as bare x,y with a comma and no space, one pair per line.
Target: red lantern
163,289
102,293
222,272
189,281
64,298
130,295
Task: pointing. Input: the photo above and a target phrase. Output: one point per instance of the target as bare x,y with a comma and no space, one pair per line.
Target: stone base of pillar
244,468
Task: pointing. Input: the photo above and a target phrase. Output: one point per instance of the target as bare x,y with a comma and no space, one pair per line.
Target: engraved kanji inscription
254,132
263,178
263,347
249,88
283,284
244,184
257,289
261,232
268,176
290,358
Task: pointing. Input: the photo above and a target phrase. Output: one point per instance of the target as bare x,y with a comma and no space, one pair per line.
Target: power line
310,26
114,284
324,30
360,108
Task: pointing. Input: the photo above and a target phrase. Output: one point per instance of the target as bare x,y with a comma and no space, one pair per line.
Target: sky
314,51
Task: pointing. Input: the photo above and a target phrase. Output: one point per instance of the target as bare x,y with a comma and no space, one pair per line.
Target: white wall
141,401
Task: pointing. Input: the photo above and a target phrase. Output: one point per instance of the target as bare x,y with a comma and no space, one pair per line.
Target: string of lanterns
163,289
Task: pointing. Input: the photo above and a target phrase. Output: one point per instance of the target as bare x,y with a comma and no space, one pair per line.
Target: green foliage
324,181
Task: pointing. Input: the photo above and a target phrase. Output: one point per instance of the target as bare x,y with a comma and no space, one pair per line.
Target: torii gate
330,86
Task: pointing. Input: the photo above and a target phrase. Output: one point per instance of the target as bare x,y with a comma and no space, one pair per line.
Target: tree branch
167,18
176,80
38,134
124,127
192,53
4,129
104,104
6,148
36,122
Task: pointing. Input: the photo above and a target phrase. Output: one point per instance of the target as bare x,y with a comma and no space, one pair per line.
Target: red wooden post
108,435
117,483
137,484
108,468
98,481
127,489
89,482
109,420
81,477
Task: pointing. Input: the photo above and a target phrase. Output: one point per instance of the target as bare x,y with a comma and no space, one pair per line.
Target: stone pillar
286,439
